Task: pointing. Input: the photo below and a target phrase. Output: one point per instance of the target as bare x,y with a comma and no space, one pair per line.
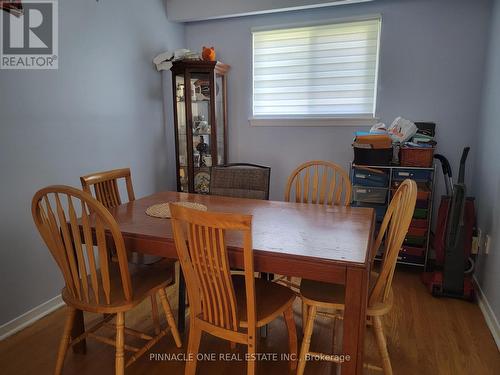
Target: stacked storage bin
371,189
373,186
416,242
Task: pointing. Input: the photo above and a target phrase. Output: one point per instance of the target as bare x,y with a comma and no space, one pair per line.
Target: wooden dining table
323,243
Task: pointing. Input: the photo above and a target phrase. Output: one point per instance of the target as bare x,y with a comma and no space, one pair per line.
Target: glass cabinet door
180,98
219,118
201,131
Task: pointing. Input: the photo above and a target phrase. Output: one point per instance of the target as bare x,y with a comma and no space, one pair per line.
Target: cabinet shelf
194,101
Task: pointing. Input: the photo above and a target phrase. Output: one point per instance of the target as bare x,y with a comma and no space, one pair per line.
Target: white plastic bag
378,127
402,130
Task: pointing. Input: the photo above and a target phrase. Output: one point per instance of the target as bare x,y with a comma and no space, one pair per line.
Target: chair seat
146,280
271,300
144,259
328,295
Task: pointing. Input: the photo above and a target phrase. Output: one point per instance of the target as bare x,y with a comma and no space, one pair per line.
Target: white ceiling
199,10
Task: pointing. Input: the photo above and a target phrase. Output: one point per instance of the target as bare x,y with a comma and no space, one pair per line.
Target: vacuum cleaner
453,238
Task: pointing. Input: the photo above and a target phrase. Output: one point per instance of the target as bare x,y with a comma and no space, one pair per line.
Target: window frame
318,120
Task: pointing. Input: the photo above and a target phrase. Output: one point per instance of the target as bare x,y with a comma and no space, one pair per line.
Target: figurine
204,127
180,92
202,89
201,126
202,148
208,54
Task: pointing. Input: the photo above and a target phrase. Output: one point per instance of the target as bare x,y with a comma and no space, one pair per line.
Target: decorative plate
202,182
162,210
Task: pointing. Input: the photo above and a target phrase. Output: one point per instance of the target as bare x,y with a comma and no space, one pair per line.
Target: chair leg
193,347
292,337
305,310
65,340
306,340
170,317
335,331
382,345
252,350
154,313
120,344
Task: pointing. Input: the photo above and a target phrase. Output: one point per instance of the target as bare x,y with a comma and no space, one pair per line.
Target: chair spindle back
200,242
106,186
319,182
71,241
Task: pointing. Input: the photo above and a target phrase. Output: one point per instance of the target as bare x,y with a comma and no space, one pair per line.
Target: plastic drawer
379,209
423,191
420,213
419,223
370,194
421,204
415,240
414,174
412,251
411,259
416,231
369,177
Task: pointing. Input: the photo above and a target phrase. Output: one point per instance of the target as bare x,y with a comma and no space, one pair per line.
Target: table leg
181,307
263,329
356,297
77,330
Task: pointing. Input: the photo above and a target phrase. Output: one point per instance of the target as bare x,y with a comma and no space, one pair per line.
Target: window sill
313,121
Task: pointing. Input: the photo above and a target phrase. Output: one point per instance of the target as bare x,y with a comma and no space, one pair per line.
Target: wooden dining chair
319,182
105,190
317,295
105,187
316,182
240,180
227,306
93,283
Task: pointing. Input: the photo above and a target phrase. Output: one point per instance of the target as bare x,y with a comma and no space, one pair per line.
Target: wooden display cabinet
200,121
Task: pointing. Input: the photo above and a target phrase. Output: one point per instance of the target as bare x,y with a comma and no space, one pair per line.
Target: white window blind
327,70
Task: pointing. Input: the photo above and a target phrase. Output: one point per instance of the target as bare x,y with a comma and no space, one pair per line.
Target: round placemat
162,210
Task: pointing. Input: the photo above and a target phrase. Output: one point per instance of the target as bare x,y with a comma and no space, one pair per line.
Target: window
320,71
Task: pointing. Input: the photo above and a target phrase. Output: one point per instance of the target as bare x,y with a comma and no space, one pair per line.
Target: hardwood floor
425,336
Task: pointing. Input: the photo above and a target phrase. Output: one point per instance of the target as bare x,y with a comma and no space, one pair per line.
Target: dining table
311,241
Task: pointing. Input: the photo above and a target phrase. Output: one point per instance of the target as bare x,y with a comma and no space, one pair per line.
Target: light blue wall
102,109
488,171
432,56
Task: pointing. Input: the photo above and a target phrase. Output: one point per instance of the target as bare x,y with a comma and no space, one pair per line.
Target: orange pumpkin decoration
208,54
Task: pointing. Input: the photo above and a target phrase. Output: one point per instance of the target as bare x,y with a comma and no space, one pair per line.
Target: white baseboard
489,316
30,317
